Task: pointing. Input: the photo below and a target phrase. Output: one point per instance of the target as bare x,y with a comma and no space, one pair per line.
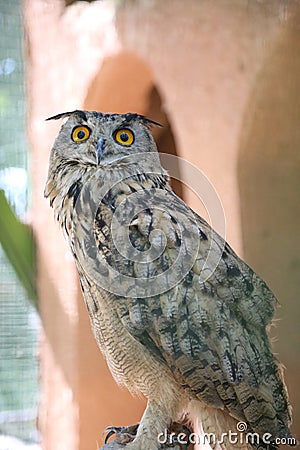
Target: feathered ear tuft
78,112
145,120
151,122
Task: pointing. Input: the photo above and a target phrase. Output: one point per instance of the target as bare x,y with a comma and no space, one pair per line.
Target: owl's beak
100,149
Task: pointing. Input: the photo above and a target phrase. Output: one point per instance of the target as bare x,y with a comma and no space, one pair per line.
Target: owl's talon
174,431
112,430
124,435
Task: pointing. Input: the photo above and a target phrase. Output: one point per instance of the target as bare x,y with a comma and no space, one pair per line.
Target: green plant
18,243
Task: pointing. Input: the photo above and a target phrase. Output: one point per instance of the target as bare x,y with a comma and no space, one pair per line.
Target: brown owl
178,315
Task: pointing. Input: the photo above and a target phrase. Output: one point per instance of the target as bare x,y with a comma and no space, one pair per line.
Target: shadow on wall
269,181
125,84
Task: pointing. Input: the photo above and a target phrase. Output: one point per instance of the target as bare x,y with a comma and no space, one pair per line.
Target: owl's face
94,138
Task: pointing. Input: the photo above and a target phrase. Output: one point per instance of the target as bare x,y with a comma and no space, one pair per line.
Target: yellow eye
124,136
80,134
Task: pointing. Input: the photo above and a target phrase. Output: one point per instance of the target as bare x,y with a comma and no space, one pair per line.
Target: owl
179,317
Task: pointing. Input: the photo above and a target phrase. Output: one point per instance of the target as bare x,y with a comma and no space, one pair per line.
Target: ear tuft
145,120
77,112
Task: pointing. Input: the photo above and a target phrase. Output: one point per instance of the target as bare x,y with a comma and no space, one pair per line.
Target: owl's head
94,138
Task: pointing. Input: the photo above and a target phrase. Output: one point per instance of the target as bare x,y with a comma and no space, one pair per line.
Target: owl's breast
131,363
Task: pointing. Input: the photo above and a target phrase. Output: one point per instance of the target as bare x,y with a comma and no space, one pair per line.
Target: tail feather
218,430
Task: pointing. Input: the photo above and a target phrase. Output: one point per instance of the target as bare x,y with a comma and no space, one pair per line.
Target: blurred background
19,321
223,78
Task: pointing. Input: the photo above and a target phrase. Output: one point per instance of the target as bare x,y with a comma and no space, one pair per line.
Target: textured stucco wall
224,78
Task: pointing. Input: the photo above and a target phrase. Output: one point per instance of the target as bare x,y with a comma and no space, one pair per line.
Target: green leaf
18,243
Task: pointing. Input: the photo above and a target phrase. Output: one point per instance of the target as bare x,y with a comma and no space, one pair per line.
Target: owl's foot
175,438
124,435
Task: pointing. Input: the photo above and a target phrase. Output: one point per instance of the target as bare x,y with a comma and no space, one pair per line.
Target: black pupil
81,134
124,137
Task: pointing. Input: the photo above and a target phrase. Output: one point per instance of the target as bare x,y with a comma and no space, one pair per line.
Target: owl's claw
111,431
173,439
124,435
